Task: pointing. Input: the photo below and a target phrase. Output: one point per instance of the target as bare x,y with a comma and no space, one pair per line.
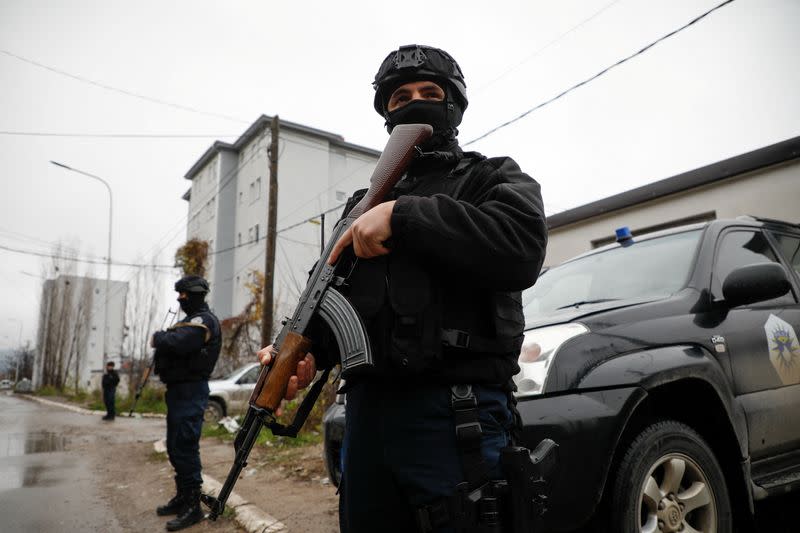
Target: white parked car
229,396
5,384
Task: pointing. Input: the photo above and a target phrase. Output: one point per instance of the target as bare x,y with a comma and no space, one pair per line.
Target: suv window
251,376
741,248
789,246
650,269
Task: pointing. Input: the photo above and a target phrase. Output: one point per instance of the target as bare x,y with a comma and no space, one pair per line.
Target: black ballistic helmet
417,62
192,284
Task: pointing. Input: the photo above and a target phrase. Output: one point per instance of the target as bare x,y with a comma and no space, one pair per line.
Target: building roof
722,170
263,122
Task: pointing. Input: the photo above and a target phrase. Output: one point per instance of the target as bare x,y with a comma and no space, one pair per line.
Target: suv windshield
650,269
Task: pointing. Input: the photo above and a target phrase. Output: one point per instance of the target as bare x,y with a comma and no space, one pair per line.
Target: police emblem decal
196,320
784,349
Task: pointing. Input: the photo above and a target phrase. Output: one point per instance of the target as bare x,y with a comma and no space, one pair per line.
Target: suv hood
571,314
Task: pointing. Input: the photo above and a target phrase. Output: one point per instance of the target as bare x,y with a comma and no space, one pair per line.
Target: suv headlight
538,351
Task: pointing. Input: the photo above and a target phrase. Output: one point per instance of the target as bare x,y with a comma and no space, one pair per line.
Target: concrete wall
772,192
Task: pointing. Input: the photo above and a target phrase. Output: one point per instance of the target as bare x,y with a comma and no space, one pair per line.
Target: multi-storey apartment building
228,202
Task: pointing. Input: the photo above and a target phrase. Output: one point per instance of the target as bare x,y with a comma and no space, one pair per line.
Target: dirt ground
290,484
296,491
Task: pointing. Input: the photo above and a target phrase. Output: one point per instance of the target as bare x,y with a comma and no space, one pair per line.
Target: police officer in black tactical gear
438,280
185,356
110,382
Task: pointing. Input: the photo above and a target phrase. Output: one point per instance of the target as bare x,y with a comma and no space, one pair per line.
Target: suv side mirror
755,283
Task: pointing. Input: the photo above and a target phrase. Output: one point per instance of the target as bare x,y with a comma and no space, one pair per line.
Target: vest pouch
417,329
367,287
509,322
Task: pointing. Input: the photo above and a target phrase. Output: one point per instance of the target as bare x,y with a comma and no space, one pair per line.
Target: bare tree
65,313
143,316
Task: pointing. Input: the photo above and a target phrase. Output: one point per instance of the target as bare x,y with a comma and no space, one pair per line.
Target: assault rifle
319,299
149,369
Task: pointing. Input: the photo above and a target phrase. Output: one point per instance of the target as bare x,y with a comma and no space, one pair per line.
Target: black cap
194,284
418,62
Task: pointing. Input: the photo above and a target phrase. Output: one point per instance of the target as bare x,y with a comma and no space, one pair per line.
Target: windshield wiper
586,302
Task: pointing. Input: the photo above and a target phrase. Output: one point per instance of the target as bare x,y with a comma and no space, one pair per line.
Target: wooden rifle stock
291,343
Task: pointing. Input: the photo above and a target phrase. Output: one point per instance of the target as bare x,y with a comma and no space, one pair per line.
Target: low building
764,183
74,339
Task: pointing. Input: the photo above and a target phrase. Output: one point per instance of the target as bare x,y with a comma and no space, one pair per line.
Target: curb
247,515
83,410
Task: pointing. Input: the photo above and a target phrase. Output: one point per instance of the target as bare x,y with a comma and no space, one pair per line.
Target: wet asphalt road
47,479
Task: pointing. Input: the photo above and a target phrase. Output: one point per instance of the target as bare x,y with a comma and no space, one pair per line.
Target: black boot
174,506
191,512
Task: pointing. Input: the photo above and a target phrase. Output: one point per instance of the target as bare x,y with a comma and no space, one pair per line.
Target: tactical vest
196,366
427,324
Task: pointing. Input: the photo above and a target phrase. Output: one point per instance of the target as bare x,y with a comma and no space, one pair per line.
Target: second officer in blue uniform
184,359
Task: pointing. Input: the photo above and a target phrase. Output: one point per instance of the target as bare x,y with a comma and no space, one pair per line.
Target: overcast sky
726,85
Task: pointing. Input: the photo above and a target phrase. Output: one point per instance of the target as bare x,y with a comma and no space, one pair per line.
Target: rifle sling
302,411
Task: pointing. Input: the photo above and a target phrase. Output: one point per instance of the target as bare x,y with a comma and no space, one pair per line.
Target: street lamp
108,255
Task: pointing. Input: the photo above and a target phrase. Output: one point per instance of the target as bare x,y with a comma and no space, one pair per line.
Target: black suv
667,368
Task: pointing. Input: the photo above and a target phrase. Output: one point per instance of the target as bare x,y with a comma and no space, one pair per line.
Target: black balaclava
443,116
193,302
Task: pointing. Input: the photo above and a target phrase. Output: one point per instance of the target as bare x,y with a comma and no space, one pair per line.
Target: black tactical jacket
110,380
468,235
188,350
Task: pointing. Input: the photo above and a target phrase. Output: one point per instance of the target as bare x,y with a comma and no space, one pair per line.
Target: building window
241,197
250,233
240,237
341,196
258,188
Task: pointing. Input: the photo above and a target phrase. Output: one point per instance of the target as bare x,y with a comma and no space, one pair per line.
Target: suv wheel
669,481
214,412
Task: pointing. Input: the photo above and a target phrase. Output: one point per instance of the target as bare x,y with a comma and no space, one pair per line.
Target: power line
287,228
80,259
121,91
119,135
546,46
602,72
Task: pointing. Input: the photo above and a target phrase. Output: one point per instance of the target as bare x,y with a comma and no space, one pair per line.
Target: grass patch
151,401
266,438
47,390
157,457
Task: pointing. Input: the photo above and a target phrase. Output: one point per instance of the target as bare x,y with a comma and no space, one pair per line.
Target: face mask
191,303
442,116
422,112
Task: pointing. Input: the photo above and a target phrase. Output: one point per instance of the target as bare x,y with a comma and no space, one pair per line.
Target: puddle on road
16,444
27,474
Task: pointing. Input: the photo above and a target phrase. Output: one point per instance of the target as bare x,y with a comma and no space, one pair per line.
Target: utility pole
272,229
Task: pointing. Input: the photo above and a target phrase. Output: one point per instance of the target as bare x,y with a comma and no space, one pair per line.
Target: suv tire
668,481
214,412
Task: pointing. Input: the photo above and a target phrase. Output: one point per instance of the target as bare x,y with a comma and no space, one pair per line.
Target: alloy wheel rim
676,497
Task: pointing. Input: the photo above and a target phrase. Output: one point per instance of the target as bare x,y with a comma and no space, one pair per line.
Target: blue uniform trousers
186,403
400,451
109,399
